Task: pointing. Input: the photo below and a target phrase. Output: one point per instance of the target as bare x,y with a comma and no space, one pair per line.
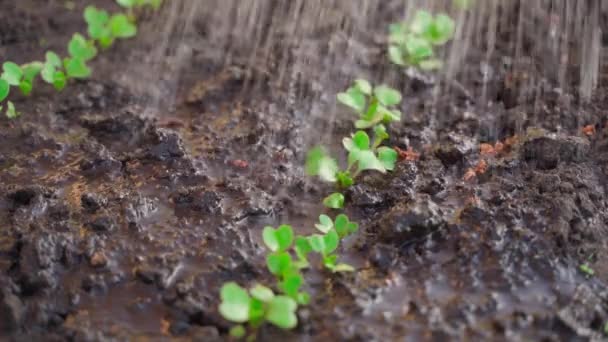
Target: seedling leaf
235,303
387,96
262,293
11,112
388,157
279,263
334,201
319,163
76,68
325,223
363,86
121,27
4,89
353,98
81,49
12,73
281,312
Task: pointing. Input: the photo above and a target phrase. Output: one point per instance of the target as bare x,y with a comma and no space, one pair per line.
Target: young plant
373,105
256,306
281,264
103,30
334,201
412,43
327,243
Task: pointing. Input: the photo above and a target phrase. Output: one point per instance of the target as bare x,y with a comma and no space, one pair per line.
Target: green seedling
52,71
81,51
342,225
98,26
373,105
11,112
365,157
278,240
103,30
585,268
334,201
326,245
412,43
255,307
319,163
19,76
281,264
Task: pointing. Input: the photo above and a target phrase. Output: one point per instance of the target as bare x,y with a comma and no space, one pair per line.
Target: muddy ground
118,225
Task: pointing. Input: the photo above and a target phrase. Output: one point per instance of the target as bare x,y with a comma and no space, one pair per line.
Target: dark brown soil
120,225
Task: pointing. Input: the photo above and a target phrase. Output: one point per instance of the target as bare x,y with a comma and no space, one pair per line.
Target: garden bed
127,200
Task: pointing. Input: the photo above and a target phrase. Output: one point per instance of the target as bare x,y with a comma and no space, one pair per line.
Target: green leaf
256,312
366,160
422,22
317,243
332,241
334,201
361,140
344,226
81,49
388,157
303,298
5,89
270,239
387,95
94,16
281,312
261,292
353,98
341,224
26,87
12,73
76,68
31,70
395,55
279,263
11,112
121,27
52,59
302,248
441,30
291,285
238,331
278,240
418,48
325,223
235,303
329,261
380,135
344,179
363,86
98,25
59,80
319,163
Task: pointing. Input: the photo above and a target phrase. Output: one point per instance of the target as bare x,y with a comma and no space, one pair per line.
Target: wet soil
117,225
